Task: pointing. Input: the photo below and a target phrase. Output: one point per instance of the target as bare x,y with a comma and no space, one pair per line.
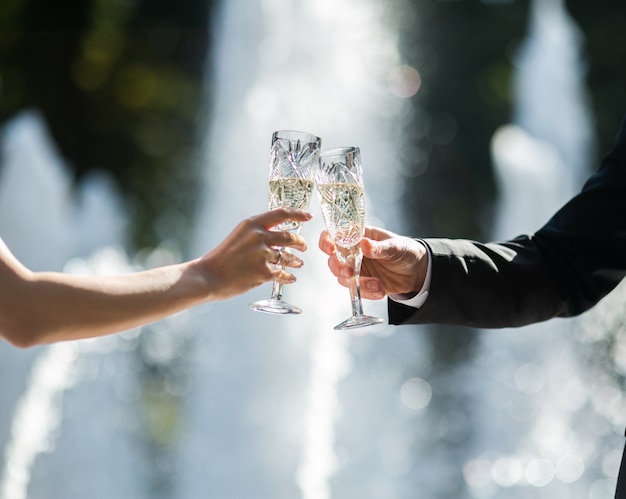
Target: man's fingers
385,249
368,247
378,234
326,244
340,270
371,288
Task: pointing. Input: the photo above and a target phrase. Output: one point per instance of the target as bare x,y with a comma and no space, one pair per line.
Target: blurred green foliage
605,45
119,83
464,51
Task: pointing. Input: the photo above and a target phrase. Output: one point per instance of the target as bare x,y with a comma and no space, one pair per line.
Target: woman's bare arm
43,307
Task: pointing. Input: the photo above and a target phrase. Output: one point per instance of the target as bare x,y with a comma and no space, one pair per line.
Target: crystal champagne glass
340,189
294,161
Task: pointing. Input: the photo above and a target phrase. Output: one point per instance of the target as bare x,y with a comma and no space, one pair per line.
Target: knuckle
248,225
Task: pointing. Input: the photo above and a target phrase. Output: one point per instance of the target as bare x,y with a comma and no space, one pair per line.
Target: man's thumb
373,249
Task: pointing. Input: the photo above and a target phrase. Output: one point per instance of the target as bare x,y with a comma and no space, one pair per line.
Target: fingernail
373,286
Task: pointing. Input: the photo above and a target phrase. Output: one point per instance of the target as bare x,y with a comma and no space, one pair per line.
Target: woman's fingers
278,216
282,239
280,257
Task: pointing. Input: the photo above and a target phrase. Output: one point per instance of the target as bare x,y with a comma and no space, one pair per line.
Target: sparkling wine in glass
294,161
340,189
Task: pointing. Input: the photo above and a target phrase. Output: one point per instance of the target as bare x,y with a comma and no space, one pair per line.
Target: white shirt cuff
420,298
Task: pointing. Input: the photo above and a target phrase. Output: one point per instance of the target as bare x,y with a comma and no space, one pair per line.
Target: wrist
421,273
404,296
200,280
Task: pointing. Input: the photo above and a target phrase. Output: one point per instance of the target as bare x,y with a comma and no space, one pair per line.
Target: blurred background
136,133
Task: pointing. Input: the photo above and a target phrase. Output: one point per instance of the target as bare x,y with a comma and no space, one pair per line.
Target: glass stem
355,297
354,257
277,287
277,291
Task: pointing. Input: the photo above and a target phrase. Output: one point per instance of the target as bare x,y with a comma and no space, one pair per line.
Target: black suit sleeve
563,269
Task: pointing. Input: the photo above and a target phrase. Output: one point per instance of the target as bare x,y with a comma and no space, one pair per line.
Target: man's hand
392,264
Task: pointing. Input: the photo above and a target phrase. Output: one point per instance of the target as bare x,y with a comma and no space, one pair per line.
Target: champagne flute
294,160
340,189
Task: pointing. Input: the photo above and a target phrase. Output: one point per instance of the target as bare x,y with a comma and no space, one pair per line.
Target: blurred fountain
53,443
261,406
285,406
29,157
274,406
539,438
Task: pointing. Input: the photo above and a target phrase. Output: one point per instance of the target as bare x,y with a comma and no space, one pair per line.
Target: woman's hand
248,257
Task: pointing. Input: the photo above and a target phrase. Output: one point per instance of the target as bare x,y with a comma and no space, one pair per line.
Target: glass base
358,321
275,307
